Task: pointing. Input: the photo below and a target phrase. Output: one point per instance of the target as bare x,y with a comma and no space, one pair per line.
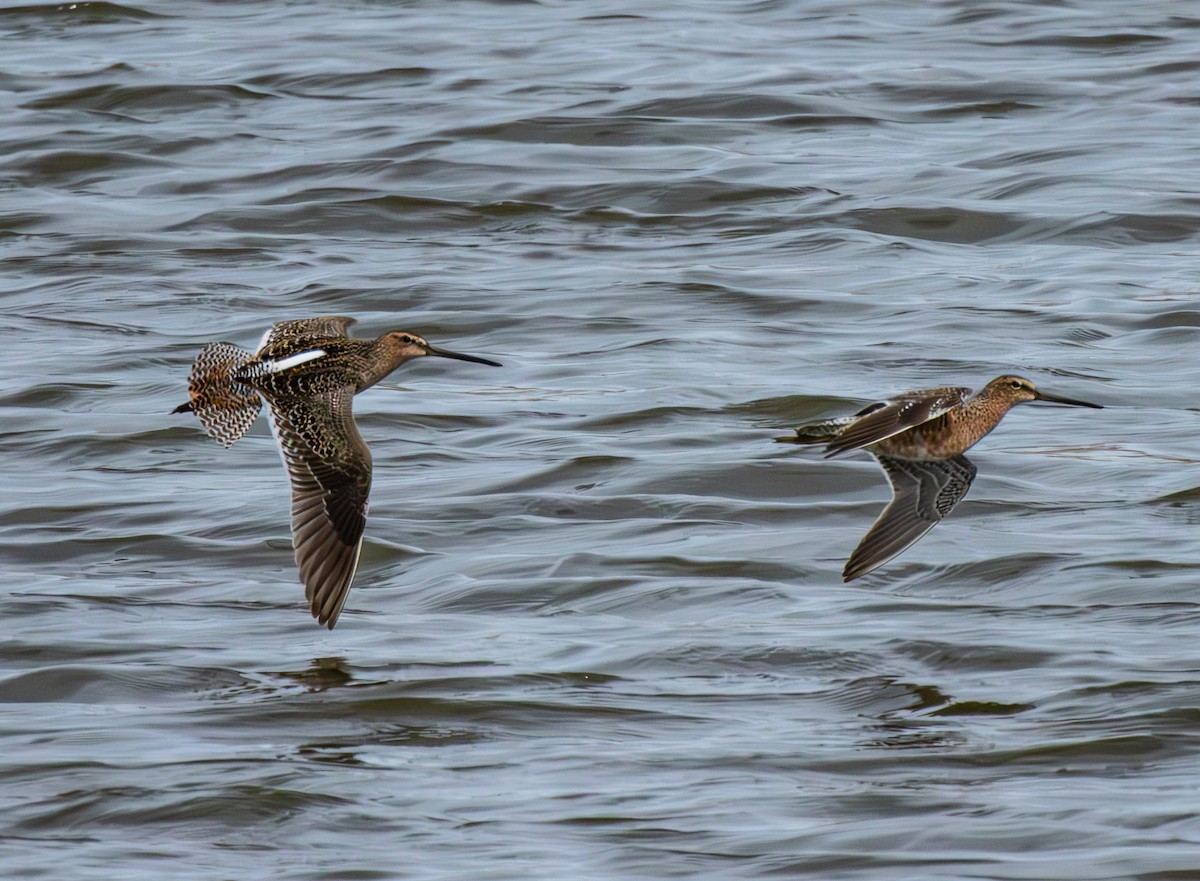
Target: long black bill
459,356
1055,399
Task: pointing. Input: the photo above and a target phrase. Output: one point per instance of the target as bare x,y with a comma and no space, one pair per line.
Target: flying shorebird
308,372
919,438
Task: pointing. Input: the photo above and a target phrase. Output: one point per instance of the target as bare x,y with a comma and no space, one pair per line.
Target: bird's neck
974,420
377,360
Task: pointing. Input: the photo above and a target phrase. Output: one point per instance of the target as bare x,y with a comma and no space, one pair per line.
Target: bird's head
403,346
1017,390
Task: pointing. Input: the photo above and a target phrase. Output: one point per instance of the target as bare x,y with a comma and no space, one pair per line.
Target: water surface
599,629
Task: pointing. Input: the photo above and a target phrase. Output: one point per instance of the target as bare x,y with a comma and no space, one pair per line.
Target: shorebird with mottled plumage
919,438
308,372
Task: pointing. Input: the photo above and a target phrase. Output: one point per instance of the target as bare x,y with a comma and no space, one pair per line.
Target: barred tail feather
226,407
819,432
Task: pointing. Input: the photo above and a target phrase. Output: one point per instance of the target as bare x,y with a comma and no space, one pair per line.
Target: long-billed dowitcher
308,371
919,438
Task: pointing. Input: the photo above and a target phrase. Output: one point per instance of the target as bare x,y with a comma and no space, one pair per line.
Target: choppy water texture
599,630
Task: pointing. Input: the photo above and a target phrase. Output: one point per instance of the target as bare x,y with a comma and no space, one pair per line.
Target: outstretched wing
300,332
923,492
330,470
881,421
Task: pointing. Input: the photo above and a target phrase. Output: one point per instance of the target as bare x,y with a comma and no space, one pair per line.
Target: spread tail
226,407
818,432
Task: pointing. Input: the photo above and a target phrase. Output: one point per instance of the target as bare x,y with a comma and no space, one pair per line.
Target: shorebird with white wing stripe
308,372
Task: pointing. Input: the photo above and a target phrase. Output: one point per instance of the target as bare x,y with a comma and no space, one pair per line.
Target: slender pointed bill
1056,399
458,356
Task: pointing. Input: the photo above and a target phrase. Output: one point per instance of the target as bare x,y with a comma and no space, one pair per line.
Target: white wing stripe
293,360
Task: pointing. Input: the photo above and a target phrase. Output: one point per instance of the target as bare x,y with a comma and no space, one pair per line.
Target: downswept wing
923,492
330,470
895,416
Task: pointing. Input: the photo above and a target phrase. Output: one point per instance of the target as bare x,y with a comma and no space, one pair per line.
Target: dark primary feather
923,492
330,470
901,413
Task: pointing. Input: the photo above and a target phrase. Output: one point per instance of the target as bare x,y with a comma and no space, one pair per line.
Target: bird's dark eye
406,339
1016,384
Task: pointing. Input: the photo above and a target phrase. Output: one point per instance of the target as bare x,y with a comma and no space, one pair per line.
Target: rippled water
599,629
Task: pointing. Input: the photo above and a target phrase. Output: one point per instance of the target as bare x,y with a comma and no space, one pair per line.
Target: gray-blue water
599,629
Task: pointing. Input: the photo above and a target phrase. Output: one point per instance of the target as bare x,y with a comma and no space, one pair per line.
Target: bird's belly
916,446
